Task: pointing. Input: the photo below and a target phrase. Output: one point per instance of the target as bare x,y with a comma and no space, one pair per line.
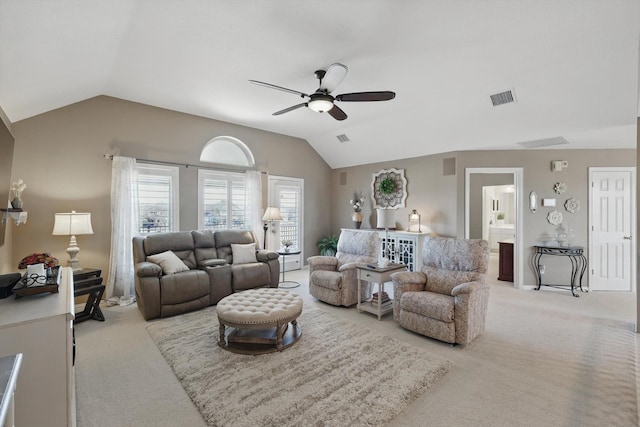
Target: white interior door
287,194
612,227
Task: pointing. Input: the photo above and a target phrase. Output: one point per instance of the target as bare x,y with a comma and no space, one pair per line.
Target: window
222,200
158,190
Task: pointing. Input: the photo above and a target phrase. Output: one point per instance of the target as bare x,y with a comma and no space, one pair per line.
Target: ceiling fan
322,100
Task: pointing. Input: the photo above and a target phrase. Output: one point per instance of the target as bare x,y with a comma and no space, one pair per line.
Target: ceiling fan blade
337,113
284,89
366,96
333,77
286,110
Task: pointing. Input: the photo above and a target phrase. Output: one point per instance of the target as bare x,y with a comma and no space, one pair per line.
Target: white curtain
254,203
124,224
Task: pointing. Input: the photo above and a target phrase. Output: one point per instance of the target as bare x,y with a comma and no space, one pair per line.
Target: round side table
290,284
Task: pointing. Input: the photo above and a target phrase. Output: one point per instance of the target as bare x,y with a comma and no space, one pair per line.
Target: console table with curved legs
575,255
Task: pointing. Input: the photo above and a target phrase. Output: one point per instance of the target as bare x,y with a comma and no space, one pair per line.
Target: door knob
627,237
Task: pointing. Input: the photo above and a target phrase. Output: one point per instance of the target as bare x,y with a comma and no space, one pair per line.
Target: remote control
371,266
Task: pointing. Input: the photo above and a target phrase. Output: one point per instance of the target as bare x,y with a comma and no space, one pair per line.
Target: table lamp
271,214
386,220
72,224
413,217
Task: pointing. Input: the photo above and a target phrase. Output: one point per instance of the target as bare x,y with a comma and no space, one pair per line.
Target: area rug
337,374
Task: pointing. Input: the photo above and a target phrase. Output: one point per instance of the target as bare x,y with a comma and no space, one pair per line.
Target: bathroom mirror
533,201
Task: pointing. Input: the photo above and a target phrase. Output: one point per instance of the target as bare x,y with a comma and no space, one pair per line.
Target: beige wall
59,154
6,247
428,191
440,198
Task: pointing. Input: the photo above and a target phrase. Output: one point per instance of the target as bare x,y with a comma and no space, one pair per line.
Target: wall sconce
271,214
558,165
413,217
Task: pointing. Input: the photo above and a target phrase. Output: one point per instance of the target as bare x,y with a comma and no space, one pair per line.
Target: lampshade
272,214
72,223
386,218
321,104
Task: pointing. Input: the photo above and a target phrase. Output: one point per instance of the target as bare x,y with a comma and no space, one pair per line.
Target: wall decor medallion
572,205
389,188
560,187
554,217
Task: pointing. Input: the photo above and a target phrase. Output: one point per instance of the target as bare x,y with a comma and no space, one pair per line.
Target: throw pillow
169,262
243,254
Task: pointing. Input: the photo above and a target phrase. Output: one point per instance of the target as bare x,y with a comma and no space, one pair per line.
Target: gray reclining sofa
212,274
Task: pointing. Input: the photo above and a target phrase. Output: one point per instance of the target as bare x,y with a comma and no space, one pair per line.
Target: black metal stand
88,281
292,284
575,255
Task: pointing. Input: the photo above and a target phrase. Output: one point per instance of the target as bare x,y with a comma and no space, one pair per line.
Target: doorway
612,206
287,194
475,175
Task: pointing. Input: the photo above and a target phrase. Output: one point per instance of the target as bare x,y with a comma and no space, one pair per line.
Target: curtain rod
186,165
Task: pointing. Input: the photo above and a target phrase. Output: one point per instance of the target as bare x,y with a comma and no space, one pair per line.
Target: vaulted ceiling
573,66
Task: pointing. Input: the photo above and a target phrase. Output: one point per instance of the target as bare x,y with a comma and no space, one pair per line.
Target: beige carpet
338,371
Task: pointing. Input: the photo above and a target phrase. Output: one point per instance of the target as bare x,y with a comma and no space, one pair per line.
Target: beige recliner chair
334,280
447,300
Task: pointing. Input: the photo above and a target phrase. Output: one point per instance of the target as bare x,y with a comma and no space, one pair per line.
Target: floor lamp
271,214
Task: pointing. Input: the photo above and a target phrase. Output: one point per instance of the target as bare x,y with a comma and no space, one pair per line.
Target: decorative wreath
387,186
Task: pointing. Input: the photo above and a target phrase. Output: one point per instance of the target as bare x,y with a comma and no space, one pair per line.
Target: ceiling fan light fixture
321,104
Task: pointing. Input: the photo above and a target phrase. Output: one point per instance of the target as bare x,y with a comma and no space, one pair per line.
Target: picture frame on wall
389,189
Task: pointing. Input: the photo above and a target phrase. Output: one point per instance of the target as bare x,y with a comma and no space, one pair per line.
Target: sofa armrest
320,262
148,269
406,281
467,288
471,300
264,255
349,266
213,262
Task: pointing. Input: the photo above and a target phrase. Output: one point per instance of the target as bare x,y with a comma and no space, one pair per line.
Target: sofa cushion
248,276
243,254
224,239
169,262
204,243
186,286
180,242
428,304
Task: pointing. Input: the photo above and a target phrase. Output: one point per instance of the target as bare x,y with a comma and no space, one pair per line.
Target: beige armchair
334,280
447,300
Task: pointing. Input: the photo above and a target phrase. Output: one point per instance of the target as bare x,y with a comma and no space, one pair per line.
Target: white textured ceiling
573,66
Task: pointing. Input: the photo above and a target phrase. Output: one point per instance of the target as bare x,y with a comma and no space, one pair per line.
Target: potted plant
500,218
328,246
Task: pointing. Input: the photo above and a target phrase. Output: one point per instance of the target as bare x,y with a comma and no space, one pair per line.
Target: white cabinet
498,234
41,328
404,247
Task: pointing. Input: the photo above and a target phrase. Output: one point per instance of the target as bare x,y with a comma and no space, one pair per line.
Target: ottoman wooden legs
258,339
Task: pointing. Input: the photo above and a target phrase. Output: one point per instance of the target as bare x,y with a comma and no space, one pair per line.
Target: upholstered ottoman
256,321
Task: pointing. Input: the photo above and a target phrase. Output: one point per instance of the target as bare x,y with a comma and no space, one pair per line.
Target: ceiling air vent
342,138
547,142
503,98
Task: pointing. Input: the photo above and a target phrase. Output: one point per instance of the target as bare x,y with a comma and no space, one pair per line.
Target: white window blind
222,200
157,198
289,209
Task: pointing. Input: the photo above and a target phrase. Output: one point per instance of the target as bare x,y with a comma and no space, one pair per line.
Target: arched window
228,151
